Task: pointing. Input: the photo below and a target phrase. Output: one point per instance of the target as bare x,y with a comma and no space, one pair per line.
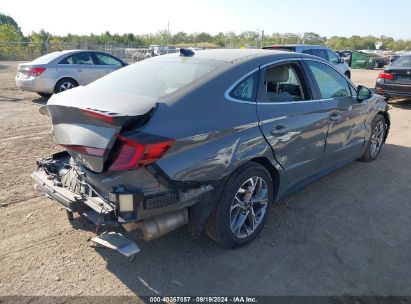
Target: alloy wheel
248,207
377,139
66,86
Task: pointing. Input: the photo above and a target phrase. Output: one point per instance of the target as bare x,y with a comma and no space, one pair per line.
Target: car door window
330,83
283,83
320,53
245,90
78,58
107,60
333,57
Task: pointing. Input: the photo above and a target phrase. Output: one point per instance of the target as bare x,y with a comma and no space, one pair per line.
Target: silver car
59,71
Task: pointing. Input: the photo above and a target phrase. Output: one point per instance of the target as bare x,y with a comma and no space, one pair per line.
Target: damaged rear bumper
150,216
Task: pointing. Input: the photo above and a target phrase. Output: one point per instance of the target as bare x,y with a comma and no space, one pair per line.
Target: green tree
4,19
10,42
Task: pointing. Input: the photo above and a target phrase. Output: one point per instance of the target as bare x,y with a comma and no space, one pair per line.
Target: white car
316,50
60,71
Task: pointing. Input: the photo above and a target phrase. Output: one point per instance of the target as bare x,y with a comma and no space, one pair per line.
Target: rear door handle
335,116
279,130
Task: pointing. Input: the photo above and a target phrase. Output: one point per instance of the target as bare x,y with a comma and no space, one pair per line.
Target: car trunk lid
401,75
87,123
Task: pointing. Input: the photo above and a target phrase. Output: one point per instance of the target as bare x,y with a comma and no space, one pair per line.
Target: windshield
155,78
402,62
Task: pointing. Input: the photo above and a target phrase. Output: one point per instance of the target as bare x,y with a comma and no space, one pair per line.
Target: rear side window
331,83
155,77
78,58
320,53
309,52
245,89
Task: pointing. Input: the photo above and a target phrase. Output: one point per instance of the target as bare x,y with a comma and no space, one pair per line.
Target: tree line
11,32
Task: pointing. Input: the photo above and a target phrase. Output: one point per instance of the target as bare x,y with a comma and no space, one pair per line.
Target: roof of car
234,55
298,45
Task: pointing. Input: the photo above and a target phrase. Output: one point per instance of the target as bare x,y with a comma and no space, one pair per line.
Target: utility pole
168,34
262,38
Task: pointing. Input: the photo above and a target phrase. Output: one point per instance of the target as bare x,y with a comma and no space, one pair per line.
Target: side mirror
363,93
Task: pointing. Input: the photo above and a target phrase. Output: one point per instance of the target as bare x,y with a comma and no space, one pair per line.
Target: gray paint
215,135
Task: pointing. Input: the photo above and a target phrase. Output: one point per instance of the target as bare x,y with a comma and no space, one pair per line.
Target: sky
325,17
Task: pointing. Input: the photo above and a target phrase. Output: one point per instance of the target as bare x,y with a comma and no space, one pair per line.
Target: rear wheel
64,85
378,131
242,210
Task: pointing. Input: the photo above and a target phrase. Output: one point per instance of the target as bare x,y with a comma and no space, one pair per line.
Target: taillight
86,150
35,71
106,117
133,154
386,75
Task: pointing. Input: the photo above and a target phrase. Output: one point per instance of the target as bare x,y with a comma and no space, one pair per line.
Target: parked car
395,80
60,71
209,139
316,50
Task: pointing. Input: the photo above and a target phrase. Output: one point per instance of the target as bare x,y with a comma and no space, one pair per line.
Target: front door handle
79,70
335,116
279,130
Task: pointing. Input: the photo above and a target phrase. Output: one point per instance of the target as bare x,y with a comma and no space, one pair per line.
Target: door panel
346,117
295,129
81,67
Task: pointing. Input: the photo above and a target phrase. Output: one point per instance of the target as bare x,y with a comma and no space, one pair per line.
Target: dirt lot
349,233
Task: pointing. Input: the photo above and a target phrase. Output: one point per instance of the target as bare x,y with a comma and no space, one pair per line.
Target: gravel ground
347,234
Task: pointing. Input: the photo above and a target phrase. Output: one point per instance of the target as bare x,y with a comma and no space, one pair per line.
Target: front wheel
242,210
378,131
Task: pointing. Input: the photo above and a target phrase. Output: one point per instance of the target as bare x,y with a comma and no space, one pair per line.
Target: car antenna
186,53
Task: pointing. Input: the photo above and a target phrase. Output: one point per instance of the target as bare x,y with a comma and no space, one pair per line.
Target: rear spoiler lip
118,119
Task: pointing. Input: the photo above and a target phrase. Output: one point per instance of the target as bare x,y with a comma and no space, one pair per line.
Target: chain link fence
28,51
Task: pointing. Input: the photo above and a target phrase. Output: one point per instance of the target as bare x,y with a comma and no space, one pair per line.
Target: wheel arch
387,121
275,175
64,77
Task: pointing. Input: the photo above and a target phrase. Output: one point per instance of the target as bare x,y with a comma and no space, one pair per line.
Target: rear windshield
280,48
155,78
402,62
47,58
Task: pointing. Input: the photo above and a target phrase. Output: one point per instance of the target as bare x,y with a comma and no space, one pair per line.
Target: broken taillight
133,154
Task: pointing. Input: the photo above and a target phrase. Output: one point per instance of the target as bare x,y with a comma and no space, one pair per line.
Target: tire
377,138
229,213
65,84
45,95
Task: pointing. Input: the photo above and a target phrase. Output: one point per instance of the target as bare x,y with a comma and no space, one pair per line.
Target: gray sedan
210,139
60,71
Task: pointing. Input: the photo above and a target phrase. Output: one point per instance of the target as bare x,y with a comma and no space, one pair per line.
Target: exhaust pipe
155,227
